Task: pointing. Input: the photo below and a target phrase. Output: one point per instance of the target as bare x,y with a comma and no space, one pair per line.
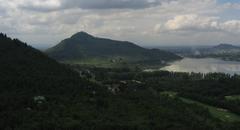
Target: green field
115,63
105,63
219,113
169,93
233,97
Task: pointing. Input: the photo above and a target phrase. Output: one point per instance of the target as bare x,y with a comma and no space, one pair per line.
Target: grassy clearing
233,97
117,62
219,113
105,63
169,93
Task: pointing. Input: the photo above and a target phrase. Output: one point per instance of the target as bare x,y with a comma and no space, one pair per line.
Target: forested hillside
37,93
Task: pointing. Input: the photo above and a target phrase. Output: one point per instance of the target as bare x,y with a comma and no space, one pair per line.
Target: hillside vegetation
37,93
83,48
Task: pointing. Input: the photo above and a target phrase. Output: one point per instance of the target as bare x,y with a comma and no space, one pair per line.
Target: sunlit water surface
205,65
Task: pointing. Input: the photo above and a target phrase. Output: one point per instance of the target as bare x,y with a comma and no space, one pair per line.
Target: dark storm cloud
48,6
111,4
2,11
40,9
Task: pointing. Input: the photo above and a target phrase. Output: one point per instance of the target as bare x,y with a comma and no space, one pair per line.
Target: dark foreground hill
84,48
19,60
38,93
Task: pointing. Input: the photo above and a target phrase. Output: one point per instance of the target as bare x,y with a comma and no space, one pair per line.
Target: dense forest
37,93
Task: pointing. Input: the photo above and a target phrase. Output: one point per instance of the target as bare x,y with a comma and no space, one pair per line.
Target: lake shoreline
201,65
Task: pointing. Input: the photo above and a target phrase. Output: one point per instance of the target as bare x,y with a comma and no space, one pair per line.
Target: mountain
222,51
226,46
84,47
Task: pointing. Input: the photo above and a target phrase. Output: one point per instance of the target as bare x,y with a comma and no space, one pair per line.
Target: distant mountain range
222,51
85,48
226,46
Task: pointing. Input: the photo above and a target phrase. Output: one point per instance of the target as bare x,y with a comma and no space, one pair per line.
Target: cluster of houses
115,88
39,99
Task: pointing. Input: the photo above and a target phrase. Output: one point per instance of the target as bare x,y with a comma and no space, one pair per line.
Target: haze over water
205,65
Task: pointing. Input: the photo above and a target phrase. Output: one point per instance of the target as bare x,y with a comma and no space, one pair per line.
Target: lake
204,65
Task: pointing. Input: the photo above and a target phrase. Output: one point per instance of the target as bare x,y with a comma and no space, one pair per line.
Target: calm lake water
205,65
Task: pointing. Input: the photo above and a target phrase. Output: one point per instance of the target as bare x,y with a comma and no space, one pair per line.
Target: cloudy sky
145,22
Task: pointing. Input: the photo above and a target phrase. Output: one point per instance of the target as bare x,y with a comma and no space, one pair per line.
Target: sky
44,23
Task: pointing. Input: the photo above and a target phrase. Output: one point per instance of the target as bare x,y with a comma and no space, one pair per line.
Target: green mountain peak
82,35
83,47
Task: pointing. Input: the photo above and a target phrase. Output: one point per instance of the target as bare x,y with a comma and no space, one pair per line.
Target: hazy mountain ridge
223,51
225,46
83,46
